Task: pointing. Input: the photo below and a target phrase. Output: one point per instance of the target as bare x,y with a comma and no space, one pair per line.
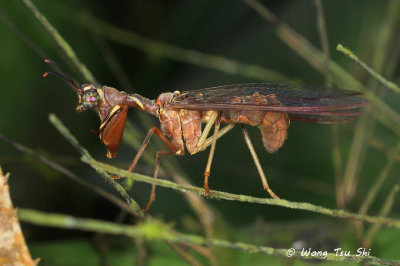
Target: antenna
63,75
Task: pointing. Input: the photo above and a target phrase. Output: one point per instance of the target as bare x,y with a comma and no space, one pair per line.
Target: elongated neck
139,102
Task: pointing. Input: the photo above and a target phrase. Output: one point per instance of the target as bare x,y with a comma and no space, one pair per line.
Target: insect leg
205,132
221,132
211,155
173,151
146,140
257,163
203,141
155,175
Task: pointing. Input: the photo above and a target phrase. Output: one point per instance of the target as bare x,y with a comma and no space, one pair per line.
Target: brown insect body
181,115
273,126
113,107
183,126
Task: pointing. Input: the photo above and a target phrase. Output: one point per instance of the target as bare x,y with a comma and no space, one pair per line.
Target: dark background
302,170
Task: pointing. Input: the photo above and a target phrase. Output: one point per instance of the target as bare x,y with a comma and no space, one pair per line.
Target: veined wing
292,99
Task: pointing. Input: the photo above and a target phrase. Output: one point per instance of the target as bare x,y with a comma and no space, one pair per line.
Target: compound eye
90,99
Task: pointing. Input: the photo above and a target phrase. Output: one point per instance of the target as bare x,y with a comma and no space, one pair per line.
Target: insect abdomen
274,130
171,127
191,128
273,126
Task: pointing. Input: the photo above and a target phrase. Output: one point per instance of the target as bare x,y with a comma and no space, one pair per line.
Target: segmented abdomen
191,128
273,126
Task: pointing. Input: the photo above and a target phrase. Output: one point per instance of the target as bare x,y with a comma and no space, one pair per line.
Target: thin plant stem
84,71
365,125
336,155
380,145
241,198
392,62
379,181
356,156
376,187
388,84
133,131
385,210
113,63
386,115
65,132
108,196
22,36
202,210
185,255
153,230
106,169
324,39
153,47
61,42
382,42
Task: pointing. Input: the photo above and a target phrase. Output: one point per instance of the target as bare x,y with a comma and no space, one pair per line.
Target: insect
268,106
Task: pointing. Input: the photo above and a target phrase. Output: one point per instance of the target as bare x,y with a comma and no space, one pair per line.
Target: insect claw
270,192
207,191
206,188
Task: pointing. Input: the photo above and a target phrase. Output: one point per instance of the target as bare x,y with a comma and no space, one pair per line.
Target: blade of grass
388,84
385,210
22,36
337,69
379,181
106,169
388,29
153,230
380,145
207,215
242,198
362,132
105,194
185,255
194,57
392,62
84,71
336,155
366,126
61,42
324,39
316,58
112,62
65,132
304,48
371,195
202,210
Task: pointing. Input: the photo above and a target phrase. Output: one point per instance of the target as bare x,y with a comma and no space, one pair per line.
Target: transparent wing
292,99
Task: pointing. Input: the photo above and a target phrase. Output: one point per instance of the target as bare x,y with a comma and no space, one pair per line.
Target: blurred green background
302,170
